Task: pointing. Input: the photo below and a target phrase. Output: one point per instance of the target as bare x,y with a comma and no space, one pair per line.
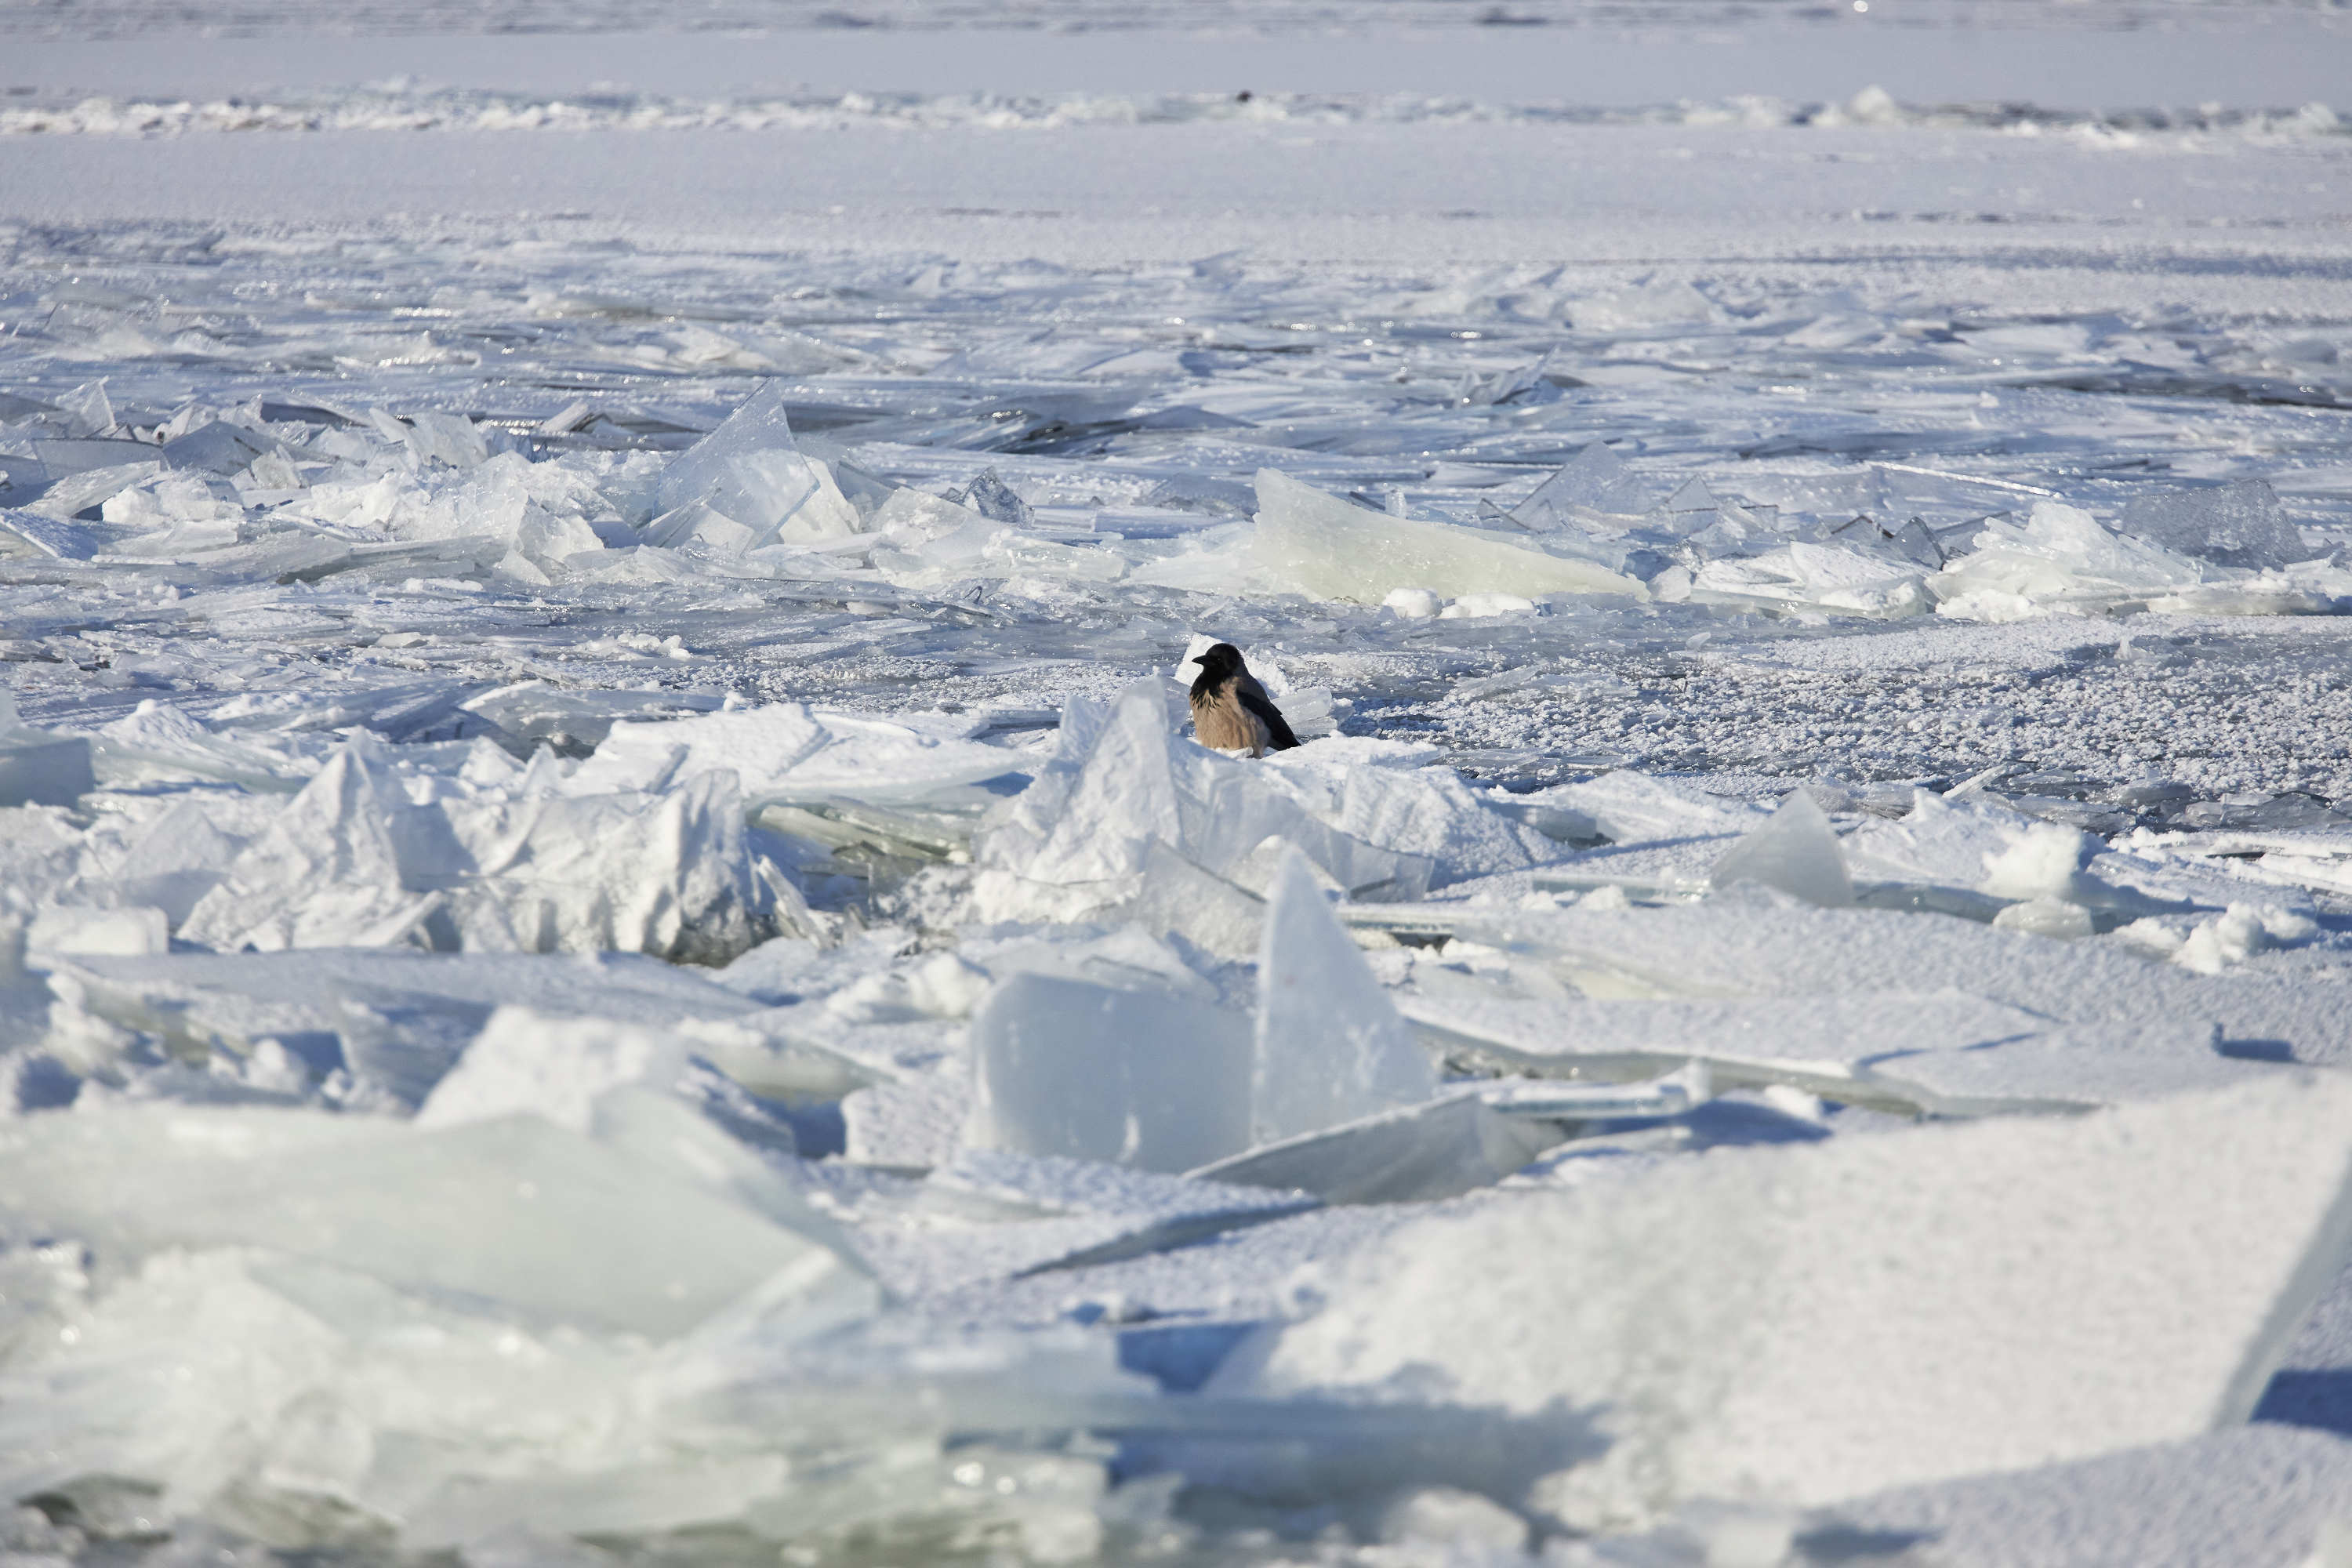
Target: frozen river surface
613,947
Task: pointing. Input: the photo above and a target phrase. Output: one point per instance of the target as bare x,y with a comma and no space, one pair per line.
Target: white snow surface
613,945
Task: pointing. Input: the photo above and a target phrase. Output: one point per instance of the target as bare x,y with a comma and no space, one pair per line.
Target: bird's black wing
1255,702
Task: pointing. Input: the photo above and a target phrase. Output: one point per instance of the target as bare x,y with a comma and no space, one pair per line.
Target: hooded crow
1231,711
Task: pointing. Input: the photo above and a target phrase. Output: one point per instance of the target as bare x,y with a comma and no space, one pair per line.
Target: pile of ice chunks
222,495
369,1176
447,1104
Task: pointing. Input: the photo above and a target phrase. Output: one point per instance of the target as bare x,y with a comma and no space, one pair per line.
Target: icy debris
87,407
1374,792
35,533
158,742
218,447
1412,604
1819,576
2239,933
78,494
39,767
286,1337
993,498
1795,851
788,752
2044,916
1319,545
1826,1044
1596,480
1127,814
1147,1077
524,1063
1158,1078
1755,949
1041,1212
746,486
122,933
2236,525
1944,838
2060,555
1626,806
334,870
1663,1097
1657,303
1451,1516
1487,607
354,861
1803,1324
450,439
2074,1066
1329,1046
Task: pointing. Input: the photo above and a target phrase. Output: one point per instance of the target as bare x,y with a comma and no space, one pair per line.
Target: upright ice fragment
1806,1323
335,869
1329,1045
2238,524
1596,479
1796,850
1150,1078
1321,545
749,473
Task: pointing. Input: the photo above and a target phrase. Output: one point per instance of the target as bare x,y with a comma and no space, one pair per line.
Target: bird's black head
1220,660
1217,663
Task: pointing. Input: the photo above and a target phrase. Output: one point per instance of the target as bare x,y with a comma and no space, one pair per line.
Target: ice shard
1596,479
1414,1154
1148,1078
1795,851
2236,525
334,870
749,472
1329,1046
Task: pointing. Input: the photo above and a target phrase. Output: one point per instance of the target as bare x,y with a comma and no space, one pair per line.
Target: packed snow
615,947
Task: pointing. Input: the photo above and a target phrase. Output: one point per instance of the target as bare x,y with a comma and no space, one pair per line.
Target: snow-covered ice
615,945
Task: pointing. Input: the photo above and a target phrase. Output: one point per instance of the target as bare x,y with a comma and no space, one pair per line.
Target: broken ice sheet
1820,577
2058,555
1801,1324
1726,948
1321,545
786,752
364,1029
513,1212
1128,813
752,485
355,861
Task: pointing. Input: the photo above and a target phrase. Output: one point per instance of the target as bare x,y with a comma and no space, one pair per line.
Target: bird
1231,711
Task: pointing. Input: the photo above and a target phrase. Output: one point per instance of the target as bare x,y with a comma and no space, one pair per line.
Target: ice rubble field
613,948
